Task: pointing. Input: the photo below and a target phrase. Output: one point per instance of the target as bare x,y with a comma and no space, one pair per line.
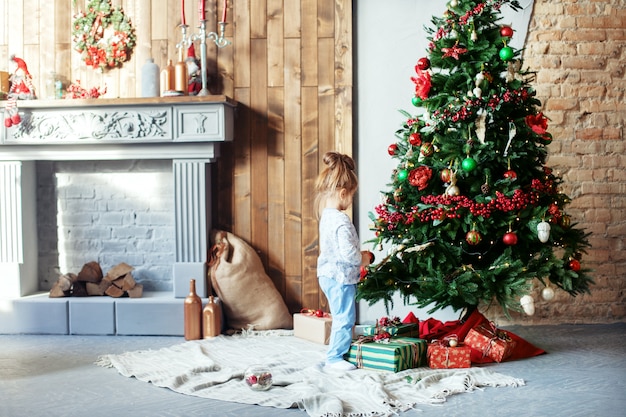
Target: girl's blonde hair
338,174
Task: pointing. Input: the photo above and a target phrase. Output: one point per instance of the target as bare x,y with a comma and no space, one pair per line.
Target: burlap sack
249,297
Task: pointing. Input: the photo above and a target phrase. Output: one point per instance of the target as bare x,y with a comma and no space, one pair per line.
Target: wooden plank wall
289,67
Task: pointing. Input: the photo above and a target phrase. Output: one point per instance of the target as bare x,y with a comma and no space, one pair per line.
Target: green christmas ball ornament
403,174
469,164
416,101
506,53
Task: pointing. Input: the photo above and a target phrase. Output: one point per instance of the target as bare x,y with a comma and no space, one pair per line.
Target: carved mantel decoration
94,125
185,130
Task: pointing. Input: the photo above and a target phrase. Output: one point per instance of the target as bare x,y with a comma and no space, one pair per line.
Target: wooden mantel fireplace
185,130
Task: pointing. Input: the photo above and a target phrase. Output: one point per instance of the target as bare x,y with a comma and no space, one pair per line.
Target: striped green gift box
401,330
397,355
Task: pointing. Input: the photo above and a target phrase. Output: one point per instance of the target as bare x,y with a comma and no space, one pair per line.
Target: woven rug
214,368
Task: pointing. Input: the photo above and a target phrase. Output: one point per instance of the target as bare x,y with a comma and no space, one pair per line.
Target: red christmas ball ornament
392,149
415,139
445,175
574,265
426,149
506,32
363,273
509,238
423,63
8,122
319,313
473,237
510,174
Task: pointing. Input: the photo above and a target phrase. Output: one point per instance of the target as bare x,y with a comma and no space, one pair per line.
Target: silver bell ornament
528,305
547,293
543,231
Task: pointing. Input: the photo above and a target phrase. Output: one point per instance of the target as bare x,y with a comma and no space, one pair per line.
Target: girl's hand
367,257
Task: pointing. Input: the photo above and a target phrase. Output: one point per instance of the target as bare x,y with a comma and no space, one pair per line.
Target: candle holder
219,40
185,41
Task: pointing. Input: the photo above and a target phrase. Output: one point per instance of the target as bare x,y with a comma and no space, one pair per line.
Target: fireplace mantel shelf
129,128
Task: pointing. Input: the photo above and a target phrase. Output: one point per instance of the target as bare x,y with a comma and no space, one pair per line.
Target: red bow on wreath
96,28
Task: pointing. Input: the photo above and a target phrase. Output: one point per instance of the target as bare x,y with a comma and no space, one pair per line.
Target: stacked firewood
117,282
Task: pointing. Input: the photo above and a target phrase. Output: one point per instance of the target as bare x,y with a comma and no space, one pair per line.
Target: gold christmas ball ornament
453,190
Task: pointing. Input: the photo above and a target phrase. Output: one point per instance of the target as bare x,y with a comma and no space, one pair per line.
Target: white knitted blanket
213,368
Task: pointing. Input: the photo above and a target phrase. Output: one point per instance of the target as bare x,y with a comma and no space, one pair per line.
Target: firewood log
128,282
79,289
57,292
114,291
136,291
91,272
65,281
94,289
118,271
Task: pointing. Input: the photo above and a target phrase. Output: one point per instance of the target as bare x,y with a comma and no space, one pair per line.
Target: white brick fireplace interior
114,181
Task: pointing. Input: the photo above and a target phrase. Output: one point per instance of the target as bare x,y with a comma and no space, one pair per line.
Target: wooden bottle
211,319
193,313
167,78
181,78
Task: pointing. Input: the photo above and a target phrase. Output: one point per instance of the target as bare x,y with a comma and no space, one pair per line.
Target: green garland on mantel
103,35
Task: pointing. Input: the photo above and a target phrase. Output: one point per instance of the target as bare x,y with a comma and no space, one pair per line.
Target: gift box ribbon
415,356
494,335
314,313
359,346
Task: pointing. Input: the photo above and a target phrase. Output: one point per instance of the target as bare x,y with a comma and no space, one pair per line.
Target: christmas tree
473,215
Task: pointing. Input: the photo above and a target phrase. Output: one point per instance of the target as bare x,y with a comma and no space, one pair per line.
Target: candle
183,21
201,9
224,11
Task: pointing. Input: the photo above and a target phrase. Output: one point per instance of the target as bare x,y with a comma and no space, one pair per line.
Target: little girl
340,257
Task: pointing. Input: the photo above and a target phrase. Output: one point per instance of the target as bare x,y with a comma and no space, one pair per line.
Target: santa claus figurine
22,88
194,72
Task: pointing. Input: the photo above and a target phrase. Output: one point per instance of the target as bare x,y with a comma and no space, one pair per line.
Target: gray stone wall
108,212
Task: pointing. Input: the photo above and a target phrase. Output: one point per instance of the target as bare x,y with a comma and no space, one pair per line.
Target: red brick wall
578,49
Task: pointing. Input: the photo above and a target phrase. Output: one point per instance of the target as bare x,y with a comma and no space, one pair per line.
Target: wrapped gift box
441,356
396,355
311,327
401,330
490,341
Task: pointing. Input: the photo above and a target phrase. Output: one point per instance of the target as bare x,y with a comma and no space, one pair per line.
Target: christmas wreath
104,35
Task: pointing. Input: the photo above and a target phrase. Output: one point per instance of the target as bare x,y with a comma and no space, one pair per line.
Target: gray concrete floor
584,374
